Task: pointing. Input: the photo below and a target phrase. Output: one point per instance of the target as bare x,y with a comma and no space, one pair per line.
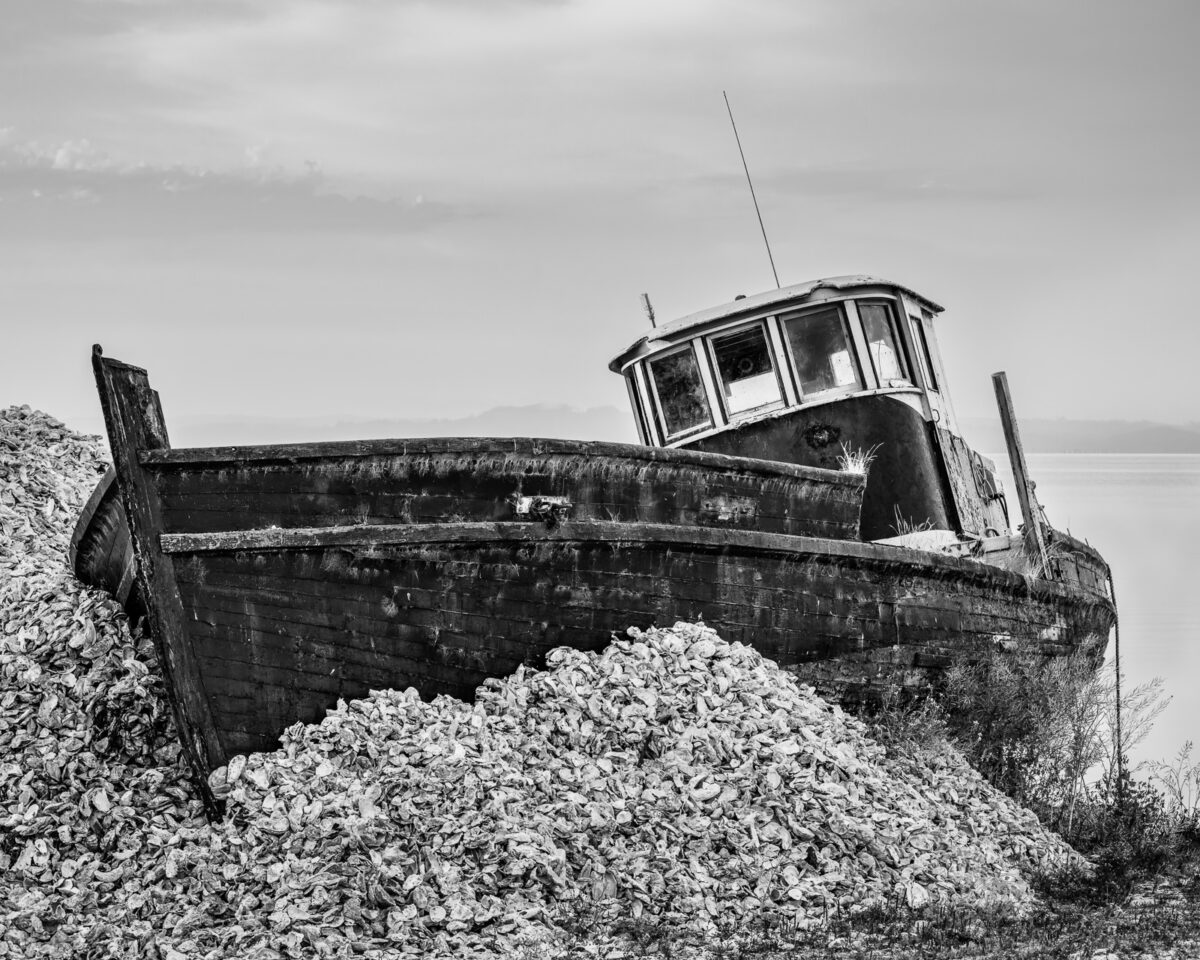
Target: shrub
908,721
1043,729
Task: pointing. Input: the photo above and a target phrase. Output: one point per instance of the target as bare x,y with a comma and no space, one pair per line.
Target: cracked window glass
883,344
681,395
923,340
747,371
821,348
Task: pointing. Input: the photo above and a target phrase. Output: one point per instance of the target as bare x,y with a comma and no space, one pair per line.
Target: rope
1112,589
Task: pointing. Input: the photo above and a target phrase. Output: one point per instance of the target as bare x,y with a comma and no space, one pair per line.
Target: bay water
1142,512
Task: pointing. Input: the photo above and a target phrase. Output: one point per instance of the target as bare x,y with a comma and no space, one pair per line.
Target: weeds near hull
891,930
904,526
857,461
1048,569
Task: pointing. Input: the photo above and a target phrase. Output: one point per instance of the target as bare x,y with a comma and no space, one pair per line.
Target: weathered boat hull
280,632
277,580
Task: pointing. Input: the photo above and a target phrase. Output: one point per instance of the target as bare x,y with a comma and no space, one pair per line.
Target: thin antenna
648,307
774,272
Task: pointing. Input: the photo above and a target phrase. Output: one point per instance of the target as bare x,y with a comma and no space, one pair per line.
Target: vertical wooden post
1034,537
134,420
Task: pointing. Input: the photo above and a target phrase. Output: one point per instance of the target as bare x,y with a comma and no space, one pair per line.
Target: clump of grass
911,721
1046,569
1179,783
904,526
856,460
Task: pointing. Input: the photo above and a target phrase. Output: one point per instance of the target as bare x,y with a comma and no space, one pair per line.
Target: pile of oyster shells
673,777
92,784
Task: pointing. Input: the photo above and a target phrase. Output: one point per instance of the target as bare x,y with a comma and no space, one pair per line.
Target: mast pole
745,167
1034,536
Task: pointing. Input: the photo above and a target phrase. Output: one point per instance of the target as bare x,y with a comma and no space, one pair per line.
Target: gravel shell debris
673,776
93,787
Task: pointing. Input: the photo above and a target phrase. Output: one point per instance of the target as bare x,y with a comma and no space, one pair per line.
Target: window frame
659,413
839,306
710,351
639,413
645,398
925,354
903,352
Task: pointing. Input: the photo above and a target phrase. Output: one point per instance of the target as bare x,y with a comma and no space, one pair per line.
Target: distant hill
611,423
1086,436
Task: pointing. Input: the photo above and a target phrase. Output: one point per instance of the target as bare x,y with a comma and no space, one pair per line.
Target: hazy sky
390,208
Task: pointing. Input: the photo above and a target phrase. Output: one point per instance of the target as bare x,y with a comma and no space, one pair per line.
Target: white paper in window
752,392
843,368
885,360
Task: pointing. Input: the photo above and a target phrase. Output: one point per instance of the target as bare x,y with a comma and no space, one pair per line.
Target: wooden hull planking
280,632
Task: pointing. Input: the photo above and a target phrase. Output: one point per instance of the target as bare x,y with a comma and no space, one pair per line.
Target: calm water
1143,513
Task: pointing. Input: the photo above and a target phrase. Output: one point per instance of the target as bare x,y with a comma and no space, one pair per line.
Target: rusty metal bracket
549,510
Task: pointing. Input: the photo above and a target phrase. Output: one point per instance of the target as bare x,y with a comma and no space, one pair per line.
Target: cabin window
639,415
926,356
821,350
882,343
680,391
747,370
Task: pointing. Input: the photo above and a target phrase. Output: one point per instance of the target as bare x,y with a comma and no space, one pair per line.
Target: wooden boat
277,579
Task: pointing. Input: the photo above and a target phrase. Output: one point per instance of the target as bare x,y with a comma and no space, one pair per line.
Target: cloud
79,155
533,94
485,96
872,183
508,102
73,191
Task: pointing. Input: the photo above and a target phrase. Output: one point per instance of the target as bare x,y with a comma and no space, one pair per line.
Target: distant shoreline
614,424
1088,436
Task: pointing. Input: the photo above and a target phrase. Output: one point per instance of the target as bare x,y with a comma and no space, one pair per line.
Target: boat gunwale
181,457
1075,545
724,539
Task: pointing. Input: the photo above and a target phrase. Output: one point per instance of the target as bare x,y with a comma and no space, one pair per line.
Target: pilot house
814,374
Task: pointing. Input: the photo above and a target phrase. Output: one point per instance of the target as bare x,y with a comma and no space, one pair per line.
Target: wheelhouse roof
795,295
